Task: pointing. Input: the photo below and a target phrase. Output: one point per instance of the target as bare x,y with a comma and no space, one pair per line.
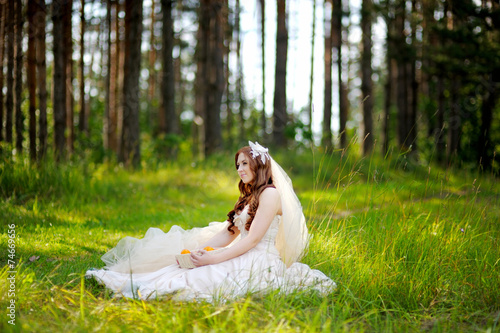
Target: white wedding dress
146,268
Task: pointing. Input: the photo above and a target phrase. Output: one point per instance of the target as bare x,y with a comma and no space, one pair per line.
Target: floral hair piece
258,150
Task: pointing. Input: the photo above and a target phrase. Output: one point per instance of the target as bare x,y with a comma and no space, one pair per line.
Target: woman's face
244,171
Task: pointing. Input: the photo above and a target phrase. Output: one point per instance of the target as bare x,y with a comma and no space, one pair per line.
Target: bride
258,247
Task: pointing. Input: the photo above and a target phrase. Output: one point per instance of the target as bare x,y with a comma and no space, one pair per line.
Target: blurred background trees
107,79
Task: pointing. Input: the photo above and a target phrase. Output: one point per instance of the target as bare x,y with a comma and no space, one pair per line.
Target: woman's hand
202,258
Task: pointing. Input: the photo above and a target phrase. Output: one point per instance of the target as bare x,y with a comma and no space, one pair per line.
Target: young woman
262,240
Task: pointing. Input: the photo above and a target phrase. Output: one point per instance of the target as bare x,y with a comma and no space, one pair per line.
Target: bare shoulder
270,193
270,199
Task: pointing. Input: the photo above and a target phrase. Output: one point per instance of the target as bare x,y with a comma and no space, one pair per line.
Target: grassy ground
412,248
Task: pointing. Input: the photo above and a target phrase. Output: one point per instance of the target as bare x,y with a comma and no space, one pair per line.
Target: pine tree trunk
107,81
59,81
311,77
130,139
454,122
239,70
337,44
41,78
214,78
280,113
68,50
228,27
439,137
18,75
366,72
9,98
326,139
3,19
402,86
171,125
388,87
31,76
82,121
152,114
490,99
262,6
413,84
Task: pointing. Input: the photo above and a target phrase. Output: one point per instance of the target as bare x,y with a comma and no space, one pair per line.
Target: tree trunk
171,125
228,28
412,83
402,87
214,77
68,57
326,140
18,75
337,44
366,72
59,81
389,90
130,138
31,76
9,98
280,114
107,125
263,60
439,137
311,77
239,71
41,78
152,114
454,122
3,19
489,103
83,119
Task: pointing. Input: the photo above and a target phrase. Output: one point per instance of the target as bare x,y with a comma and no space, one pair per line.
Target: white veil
292,237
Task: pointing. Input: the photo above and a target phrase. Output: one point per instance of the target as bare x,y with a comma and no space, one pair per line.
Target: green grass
411,247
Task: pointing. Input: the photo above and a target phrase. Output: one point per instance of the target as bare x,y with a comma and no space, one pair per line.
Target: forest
117,116
106,80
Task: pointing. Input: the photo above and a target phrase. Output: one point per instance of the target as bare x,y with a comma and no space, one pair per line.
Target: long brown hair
250,193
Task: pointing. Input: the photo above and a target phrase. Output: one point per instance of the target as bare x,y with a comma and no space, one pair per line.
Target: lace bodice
269,239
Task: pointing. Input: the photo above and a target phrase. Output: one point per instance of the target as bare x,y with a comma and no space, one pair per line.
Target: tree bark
9,98
311,77
171,125
107,125
262,4
337,44
490,99
454,122
83,119
68,58
59,80
366,70
153,115
280,113
326,139
389,90
214,78
130,139
3,19
18,75
402,74
41,78
31,76
239,71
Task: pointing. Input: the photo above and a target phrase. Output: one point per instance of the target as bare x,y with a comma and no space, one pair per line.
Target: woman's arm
269,206
221,239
